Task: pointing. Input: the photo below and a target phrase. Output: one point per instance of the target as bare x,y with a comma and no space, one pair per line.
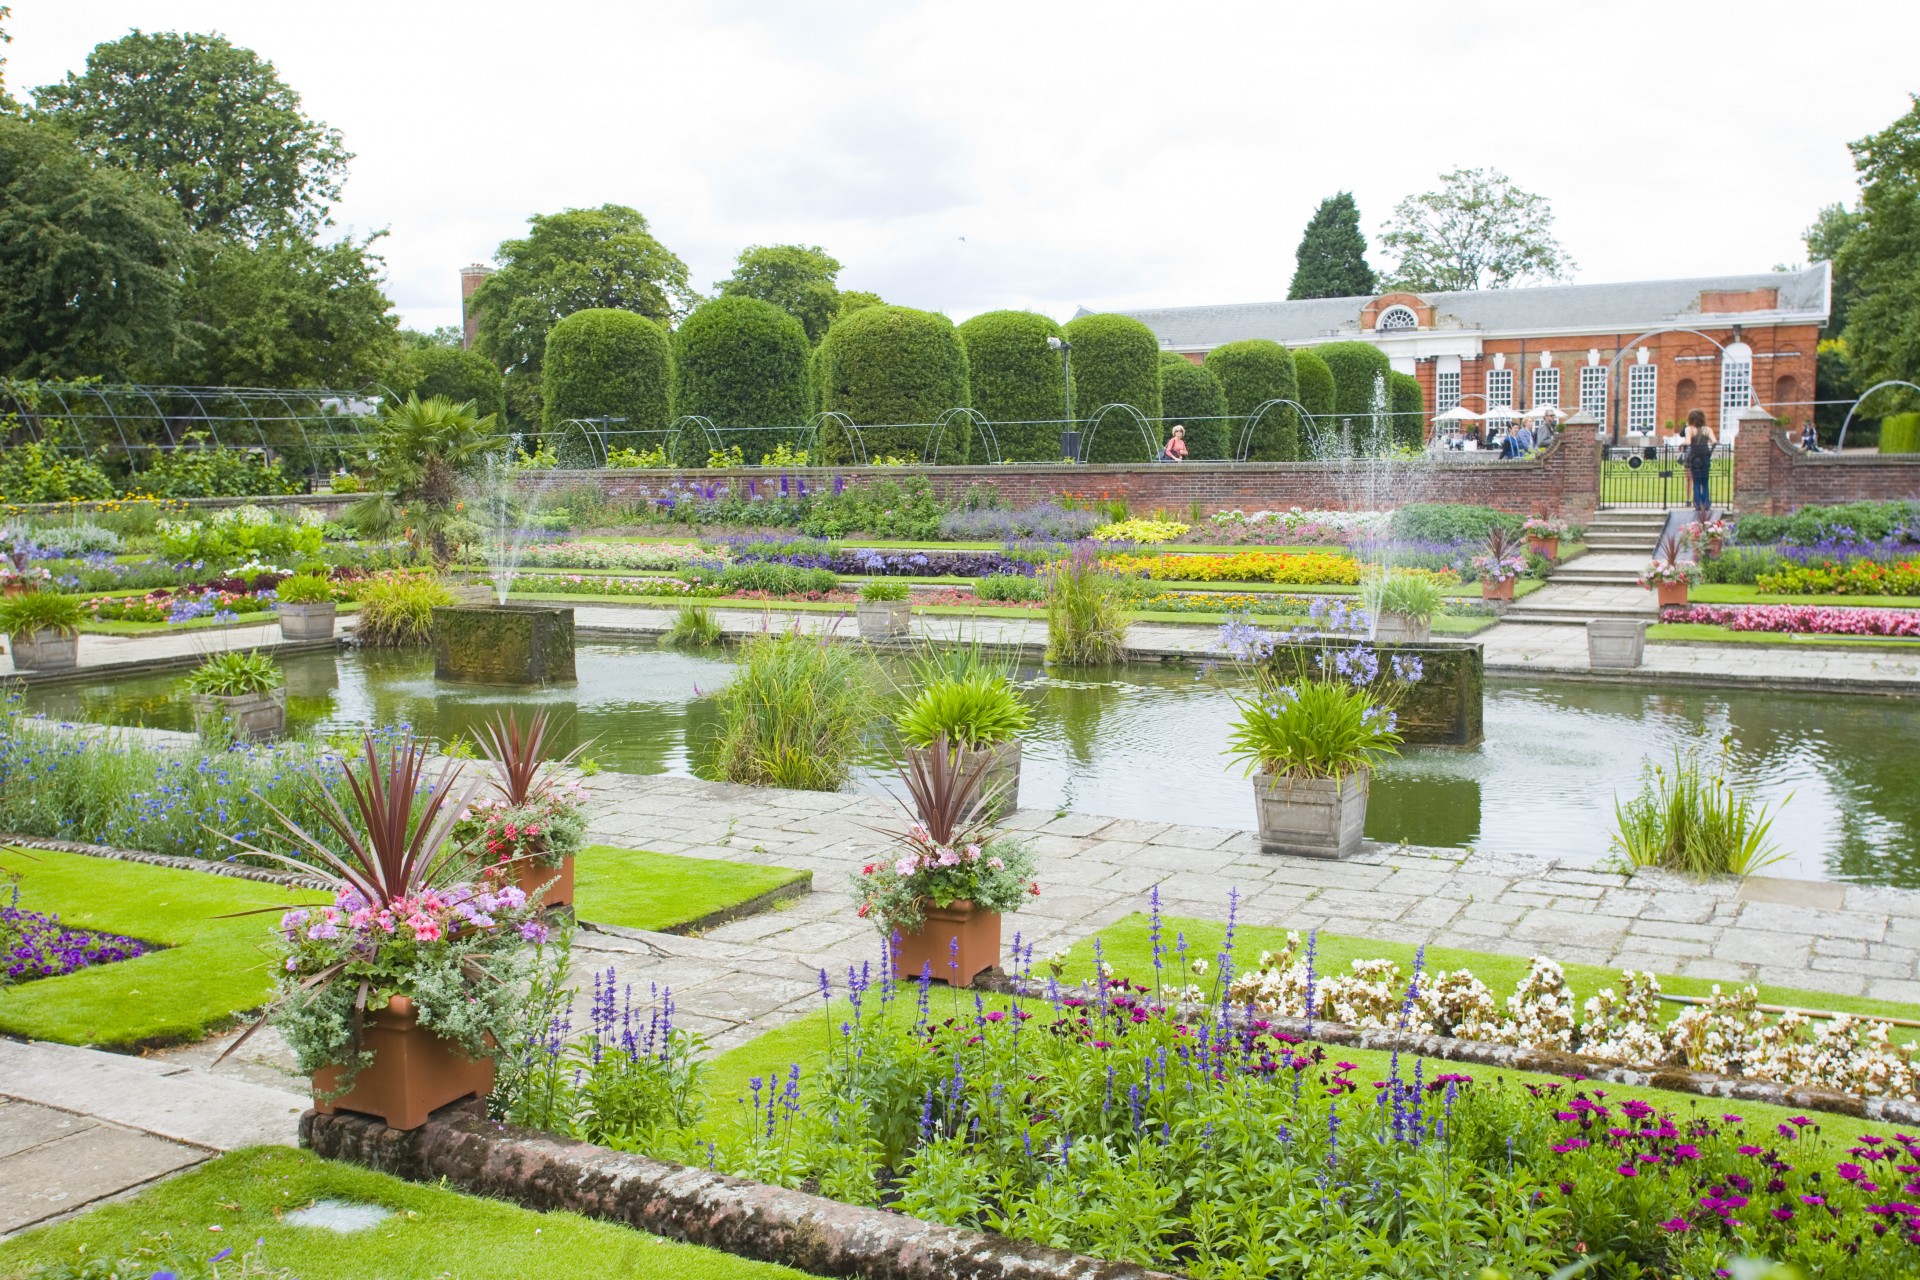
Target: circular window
1396,317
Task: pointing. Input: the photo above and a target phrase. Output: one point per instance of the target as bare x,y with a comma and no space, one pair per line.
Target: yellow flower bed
1282,568
1144,531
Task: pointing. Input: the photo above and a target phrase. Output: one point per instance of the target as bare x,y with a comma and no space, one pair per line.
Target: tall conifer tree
1332,259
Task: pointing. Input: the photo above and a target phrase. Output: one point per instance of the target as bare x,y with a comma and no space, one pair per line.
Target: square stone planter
1401,628
308,621
515,644
1312,817
956,943
885,620
48,650
413,1073
252,717
1615,644
1002,771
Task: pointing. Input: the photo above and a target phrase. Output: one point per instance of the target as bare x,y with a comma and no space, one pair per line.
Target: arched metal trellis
816,435
1126,411
1260,411
937,433
1841,443
683,426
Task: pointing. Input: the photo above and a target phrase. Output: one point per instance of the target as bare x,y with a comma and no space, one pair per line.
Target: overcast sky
969,156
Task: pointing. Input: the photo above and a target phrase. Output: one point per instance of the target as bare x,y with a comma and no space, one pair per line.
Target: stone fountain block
1446,708
503,644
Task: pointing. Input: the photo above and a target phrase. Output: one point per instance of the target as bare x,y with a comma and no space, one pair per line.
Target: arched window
1396,317
1736,381
1786,393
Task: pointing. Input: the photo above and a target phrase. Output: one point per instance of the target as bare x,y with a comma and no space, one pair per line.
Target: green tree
1409,404
797,278
1356,367
1192,396
6,99
1880,260
284,312
1332,259
1253,371
1116,360
90,261
1478,231
852,300
741,362
429,370
422,450
576,260
1316,382
213,121
1016,381
607,363
890,368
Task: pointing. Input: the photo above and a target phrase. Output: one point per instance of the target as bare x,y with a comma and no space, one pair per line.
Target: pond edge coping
748,1219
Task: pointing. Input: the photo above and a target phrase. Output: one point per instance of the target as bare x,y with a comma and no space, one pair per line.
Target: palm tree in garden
423,449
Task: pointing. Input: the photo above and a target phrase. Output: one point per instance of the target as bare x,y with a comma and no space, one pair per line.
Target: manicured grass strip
637,889
1741,593
433,1233
211,969
1794,639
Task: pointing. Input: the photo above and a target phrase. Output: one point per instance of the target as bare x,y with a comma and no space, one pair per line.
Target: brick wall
1773,477
1564,481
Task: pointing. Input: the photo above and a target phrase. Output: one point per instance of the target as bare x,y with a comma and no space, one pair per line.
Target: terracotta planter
885,619
1502,590
1670,594
252,717
308,621
1392,627
47,650
1312,817
1003,771
531,875
1714,547
932,950
16,587
1548,548
414,1072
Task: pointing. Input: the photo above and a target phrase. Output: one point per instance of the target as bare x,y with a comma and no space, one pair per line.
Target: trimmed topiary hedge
1116,360
1900,433
459,375
1409,405
1015,378
1316,383
604,362
1354,366
1253,371
741,362
892,370
1190,394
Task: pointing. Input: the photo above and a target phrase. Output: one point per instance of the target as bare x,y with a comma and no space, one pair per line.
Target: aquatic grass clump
396,609
1693,819
694,627
1086,612
793,713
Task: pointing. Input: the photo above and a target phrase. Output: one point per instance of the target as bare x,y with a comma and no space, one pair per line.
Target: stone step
1543,618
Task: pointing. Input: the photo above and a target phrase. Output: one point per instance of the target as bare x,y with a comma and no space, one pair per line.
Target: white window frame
1593,391
1546,385
1643,398
1446,390
1394,313
1736,387
1499,389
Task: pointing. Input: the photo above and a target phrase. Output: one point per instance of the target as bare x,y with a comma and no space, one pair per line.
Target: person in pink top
1176,447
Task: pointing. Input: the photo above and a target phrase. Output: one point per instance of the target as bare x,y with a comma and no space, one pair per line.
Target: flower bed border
748,1219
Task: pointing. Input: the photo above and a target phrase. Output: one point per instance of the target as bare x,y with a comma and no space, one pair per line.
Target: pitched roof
1597,308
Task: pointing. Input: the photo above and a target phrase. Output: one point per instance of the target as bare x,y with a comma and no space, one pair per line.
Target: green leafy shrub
1409,405
33,611
1316,382
1868,521
1316,726
741,362
1354,366
1086,613
606,363
1900,433
236,534
1253,371
889,368
455,373
792,715
344,482
777,579
1417,595
1016,381
1190,394
199,468
304,588
1451,522
1016,587
881,508
885,591
1693,820
75,539
1116,360
36,472
396,609
622,458
976,709
235,672
694,627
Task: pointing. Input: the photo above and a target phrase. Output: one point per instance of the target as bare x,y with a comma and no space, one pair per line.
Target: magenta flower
1675,1225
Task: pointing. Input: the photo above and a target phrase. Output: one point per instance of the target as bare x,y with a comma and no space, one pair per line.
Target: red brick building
1638,356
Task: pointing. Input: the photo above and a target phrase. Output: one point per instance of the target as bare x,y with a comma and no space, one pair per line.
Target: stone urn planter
1312,817
1394,627
885,620
1671,595
1546,548
530,875
1501,590
48,650
413,1073
252,717
308,621
1615,644
1002,771
931,947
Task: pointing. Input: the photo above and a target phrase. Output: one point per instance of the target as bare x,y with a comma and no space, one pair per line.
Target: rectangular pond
1145,740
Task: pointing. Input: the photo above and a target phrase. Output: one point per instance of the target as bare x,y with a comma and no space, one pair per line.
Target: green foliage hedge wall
1192,396
1116,360
1316,383
741,362
604,362
1015,378
1409,404
1252,372
890,368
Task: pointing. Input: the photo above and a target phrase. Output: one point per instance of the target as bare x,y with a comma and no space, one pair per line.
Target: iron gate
1656,477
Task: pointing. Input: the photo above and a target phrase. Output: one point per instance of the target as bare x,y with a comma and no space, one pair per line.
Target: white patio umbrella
1545,411
1459,413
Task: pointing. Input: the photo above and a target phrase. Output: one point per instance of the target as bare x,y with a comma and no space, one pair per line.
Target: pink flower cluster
431,916
1807,619
928,855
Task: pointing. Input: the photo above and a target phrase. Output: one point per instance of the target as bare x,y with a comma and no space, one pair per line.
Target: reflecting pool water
1145,741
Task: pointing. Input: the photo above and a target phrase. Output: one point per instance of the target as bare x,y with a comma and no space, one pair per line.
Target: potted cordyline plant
1500,564
43,628
1310,744
306,607
1403,605
939,899
1667,577
527,831
1543,536
396,995
242,692
978,714
1706,538
885,611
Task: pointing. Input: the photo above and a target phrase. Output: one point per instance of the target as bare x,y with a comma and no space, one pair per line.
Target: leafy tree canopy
1880,257
213,121
446,335
1332,259
576,260
797,278
6,100
852,300
1478,231
90,261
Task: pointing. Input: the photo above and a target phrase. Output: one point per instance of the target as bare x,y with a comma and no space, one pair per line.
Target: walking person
1176,447
1698,456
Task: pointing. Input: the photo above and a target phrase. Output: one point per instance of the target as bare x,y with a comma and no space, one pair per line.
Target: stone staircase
1603,582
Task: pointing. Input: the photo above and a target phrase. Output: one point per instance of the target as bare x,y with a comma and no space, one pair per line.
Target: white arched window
1736,382
1396,317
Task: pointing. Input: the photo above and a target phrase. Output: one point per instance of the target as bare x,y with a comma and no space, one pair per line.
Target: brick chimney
470,278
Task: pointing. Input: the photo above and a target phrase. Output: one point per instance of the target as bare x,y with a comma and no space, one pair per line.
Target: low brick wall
1563,481
1772,477
750,1219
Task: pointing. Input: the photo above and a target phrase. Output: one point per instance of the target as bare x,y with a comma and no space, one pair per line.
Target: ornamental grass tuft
793,713
1693,819
396,609
1086,612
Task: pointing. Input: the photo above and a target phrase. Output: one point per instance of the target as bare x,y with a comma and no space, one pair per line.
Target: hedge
1900,433
1116,360
892,370
1015,377
454,372
741,362
603,362
1191,395
1409,405
1316,383
1355,366
1253,371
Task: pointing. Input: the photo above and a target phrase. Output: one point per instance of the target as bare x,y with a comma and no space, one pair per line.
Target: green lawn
641,890
1744,593
435,1233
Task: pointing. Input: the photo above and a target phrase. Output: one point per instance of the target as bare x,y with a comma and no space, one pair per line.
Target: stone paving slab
75,1162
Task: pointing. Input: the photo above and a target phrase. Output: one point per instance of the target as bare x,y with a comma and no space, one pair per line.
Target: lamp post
1069,438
